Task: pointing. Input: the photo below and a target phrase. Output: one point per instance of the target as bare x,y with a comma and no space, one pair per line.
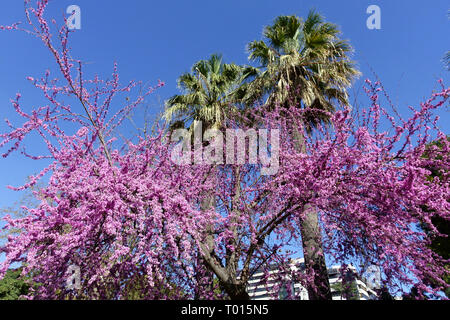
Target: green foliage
348,290
13,285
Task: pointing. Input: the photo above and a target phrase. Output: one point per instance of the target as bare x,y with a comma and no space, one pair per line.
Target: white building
259,291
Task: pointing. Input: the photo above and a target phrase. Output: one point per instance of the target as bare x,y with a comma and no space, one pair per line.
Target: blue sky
154,40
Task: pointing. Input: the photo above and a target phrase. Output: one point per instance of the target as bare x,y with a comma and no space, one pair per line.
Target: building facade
257,290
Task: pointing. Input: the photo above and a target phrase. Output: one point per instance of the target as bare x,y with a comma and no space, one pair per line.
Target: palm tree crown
303,62
209,92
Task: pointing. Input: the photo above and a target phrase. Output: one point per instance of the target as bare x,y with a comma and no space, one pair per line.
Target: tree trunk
312,240
237,291
205,205
314,256
231,256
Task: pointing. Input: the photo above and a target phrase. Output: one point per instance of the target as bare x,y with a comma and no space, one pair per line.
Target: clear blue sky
153,40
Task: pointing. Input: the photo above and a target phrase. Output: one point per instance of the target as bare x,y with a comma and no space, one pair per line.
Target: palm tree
211,95
305,64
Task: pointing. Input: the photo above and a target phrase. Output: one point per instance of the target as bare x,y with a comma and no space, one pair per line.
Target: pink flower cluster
132,220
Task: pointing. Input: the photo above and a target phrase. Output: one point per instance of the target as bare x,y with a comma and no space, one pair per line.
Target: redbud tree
130,218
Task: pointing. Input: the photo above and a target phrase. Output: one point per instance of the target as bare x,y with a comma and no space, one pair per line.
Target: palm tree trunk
237,290
207,204
313,253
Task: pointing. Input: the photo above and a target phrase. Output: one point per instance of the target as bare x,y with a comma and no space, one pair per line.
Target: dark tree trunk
236,291
207,204
314,256
312,240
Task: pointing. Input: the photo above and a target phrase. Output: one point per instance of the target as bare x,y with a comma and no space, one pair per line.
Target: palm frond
209,91
305,62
